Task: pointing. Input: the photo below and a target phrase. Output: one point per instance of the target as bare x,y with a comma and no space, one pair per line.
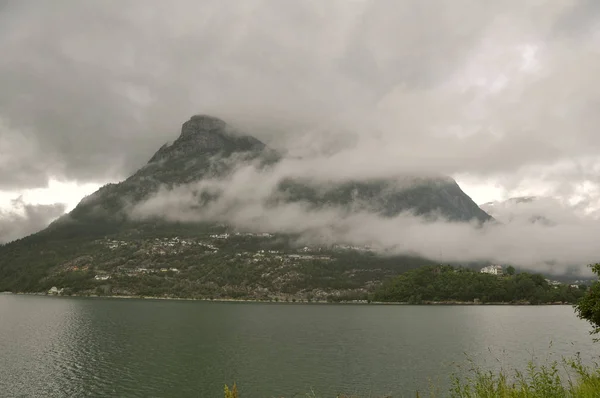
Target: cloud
498,90
540,209
247,200
23,219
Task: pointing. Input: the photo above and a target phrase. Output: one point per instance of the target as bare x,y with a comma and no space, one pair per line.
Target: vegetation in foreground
588,307
568,379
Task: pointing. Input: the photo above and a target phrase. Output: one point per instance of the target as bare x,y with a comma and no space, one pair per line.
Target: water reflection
38,340
135,348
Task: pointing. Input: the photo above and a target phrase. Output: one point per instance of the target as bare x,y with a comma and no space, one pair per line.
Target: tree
510,270
588,307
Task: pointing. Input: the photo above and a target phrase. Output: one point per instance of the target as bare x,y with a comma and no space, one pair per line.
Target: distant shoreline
226,300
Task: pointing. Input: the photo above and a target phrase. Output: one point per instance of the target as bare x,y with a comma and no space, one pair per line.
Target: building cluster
307,257
113,244
220,236
262,255
260,235
492,270
143,270
553,283
355,248
164,246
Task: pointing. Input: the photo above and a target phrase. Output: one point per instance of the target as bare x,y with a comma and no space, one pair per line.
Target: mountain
209,148
206,148
99,247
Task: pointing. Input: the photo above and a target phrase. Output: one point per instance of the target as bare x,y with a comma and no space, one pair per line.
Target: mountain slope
422,196
99,239
206,148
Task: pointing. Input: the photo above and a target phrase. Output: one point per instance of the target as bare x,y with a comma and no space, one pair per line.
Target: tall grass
231,393
568,378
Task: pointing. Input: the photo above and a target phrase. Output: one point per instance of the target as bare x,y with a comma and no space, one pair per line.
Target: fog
247,201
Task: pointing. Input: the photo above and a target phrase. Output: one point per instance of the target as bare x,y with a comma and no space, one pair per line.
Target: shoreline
231,300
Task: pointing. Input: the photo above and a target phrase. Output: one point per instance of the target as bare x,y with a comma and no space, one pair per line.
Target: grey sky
91,89
25,219
493,91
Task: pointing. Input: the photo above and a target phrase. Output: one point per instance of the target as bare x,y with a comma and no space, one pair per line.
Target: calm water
75,347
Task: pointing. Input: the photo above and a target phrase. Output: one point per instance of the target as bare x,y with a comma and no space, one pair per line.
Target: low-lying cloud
546,210
247,200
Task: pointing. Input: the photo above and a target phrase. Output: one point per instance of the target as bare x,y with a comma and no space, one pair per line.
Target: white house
492,269
54,290
102,277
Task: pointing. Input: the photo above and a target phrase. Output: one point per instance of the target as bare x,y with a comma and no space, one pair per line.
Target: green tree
510,270
588,307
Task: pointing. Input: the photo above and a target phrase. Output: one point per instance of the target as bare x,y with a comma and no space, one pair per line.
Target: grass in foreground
567,379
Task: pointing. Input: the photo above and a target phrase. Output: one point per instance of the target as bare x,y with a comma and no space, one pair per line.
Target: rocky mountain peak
205,134
202,124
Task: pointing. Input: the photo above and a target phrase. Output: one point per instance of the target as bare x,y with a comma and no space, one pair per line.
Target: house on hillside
492,269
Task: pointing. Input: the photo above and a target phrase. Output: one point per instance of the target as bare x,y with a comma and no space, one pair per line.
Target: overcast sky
501,95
